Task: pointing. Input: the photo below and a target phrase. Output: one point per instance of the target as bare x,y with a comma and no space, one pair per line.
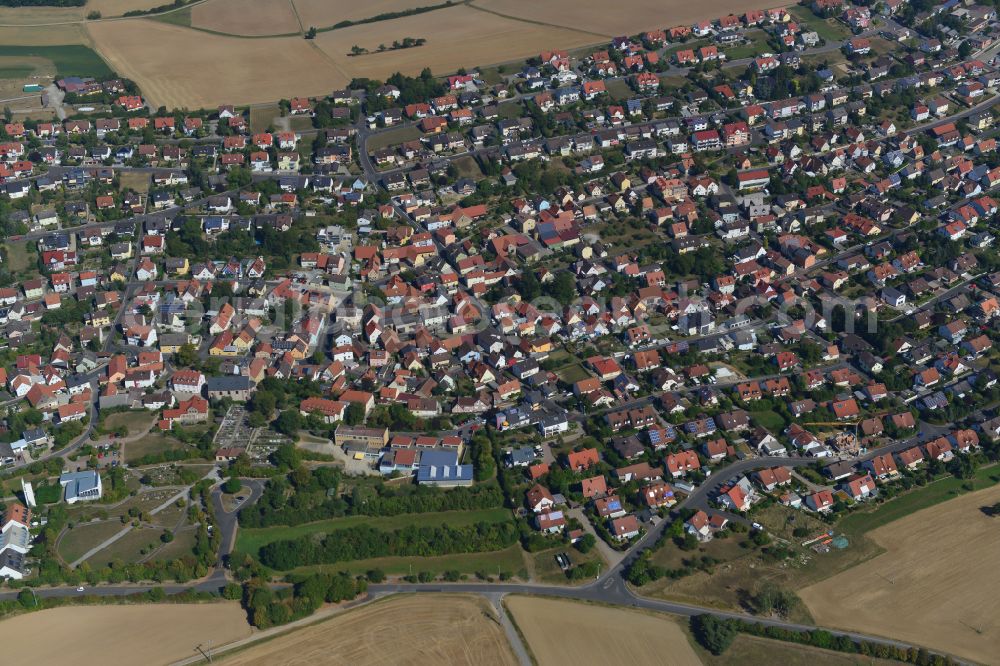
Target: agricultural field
456,37
122,635
58,59
629,17
414,629
119,7
252,540
197,70
246,17
944,600
570,632
326,13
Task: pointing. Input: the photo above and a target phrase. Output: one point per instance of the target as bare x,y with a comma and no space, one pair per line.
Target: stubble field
456,37
936,584
121,635
415,629
193,69
625,17
568,632
325,13
246,17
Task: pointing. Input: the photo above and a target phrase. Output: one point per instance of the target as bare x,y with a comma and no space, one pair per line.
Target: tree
26,598
564,287
232,485
586,543
355,414
186,356
289,422
311,32
714,634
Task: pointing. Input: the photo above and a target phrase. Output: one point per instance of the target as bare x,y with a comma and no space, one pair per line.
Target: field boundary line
472,5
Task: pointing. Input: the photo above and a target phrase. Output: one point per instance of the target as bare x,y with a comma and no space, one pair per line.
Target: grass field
830,30
135,421
246,17
569,632
20,257
573,373
82,538
69,60
16,71
154,442
545,569
409,629
619,90
752,650
127,549
122,635
393,137
468,167
509,560
263,116
768,419
936,584
252,540
137,181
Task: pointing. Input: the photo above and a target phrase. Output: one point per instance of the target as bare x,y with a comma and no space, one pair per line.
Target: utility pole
206,655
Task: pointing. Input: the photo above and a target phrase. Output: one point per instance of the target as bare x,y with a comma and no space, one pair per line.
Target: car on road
79,589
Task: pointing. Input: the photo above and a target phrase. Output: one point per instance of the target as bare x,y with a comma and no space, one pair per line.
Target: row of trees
717,634
308,495
267,607
363,542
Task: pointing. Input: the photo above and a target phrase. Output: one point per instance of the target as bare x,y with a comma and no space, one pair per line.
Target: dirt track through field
417,629
572,633
937,584
145,634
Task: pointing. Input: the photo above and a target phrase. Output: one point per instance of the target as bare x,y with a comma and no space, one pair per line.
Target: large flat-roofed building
356,435
81,486
441,468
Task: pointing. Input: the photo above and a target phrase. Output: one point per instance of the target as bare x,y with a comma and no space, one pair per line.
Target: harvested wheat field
246,17
325,13
194,69
36,15
572,632
625,17
54,35
456,37
119,7
936,585
121,635
414,629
